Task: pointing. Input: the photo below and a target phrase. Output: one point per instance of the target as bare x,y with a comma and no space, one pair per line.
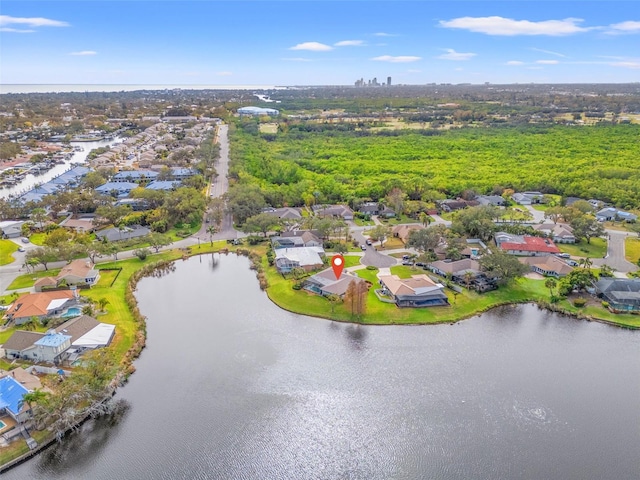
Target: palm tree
585,263
468,276
550,283
103,302
211,230
30,324
87,310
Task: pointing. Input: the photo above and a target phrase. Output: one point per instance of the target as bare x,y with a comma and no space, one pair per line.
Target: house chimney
76,294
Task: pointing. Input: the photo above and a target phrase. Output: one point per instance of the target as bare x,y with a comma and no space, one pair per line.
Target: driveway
615,253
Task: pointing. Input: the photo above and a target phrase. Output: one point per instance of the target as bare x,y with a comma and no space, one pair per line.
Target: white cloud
414,70
547,62
548,52
624,27
457,56
510,27
350,43
399,59
514,62
31,21
312,46
627,64
383,34
224,74
296,59
84,53
15,30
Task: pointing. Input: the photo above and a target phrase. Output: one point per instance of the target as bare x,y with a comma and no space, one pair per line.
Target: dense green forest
329,163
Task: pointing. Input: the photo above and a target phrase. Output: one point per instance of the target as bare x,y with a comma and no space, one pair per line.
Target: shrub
579,302
555,299
142,253
605,304
371,267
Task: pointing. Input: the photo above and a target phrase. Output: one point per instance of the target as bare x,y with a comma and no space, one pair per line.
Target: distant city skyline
263,43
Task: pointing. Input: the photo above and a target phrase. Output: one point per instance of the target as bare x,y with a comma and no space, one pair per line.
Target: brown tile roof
22,339
36,303
78,268
30,382
548,263
45,282
407,286
403,231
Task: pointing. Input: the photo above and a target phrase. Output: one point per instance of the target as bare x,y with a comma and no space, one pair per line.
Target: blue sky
318,43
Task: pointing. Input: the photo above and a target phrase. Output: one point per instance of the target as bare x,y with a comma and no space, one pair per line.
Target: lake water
232,387
31,180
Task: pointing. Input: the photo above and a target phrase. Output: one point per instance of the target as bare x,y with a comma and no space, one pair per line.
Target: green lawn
363,223
28,279
38,238
351,260
7,248
596,249
632,249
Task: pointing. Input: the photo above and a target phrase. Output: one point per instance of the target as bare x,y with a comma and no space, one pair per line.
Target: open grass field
7,248
632,249
28,279
596,249
37,238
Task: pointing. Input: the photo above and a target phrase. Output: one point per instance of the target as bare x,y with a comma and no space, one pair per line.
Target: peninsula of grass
7,248
462,306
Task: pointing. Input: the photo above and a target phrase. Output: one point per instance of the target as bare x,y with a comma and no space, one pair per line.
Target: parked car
21,249
369,242
563,255
363,247
24,240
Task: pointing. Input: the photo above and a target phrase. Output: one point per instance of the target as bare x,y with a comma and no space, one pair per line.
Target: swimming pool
2,424
72,312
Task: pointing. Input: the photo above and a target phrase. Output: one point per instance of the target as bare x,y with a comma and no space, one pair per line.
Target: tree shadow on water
79,448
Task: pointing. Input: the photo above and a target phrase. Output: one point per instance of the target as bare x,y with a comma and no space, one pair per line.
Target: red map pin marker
337,262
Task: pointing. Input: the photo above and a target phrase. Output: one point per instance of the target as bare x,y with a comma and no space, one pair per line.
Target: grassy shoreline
130,337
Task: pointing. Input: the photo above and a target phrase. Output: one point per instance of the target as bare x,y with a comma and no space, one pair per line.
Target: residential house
307,258
622,294
559,232
494,200
134,176
164,185
26,379
458,269
417,291
549,266
295,239
126,233
335,211
50,348
325,283
136,204
284,213
527,198
79,272
84,224
11,228
449,205
370,208
403,231
19,342
179,173
612,214
525,245
11,394
117,189
40,305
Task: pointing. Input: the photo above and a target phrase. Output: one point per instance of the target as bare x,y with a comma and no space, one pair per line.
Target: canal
232,387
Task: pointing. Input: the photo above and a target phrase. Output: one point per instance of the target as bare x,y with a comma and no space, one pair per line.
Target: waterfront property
417,291
126,233
622,294
325,283
64,343
40,305
79,272
549,265
307,258
11,394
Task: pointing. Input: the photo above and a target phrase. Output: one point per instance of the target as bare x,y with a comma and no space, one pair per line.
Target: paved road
615,253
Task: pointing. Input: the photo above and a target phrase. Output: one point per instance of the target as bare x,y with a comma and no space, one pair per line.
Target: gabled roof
21,340
303,256
327,282
561,230
548,263
457,266
527,243
80,268
78,326
416,285
403,231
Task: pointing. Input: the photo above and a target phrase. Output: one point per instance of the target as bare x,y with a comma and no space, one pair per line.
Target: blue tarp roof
52,340
11,393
